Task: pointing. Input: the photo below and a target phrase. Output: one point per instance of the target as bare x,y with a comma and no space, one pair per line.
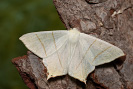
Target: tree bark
109,20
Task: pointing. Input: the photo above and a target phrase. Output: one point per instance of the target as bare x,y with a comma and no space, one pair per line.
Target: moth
70,52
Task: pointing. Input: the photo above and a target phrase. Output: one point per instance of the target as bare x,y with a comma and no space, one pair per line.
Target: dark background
18,17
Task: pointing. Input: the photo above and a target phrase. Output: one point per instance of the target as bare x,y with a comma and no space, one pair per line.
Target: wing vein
56,49
101,53
41,44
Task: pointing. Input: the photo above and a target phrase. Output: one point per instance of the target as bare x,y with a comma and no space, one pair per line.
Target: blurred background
18,17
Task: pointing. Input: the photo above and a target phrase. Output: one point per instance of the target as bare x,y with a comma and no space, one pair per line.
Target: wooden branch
109,20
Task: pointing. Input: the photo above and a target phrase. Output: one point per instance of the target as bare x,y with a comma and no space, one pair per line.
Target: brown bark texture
109,20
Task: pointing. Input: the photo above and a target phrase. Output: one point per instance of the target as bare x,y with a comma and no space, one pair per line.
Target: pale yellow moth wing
44,43
57,62
100,52
79,64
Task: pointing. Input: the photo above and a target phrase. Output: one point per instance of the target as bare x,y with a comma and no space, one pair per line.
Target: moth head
73,35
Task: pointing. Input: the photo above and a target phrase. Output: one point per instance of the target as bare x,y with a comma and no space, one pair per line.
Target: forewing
44,43
99,51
